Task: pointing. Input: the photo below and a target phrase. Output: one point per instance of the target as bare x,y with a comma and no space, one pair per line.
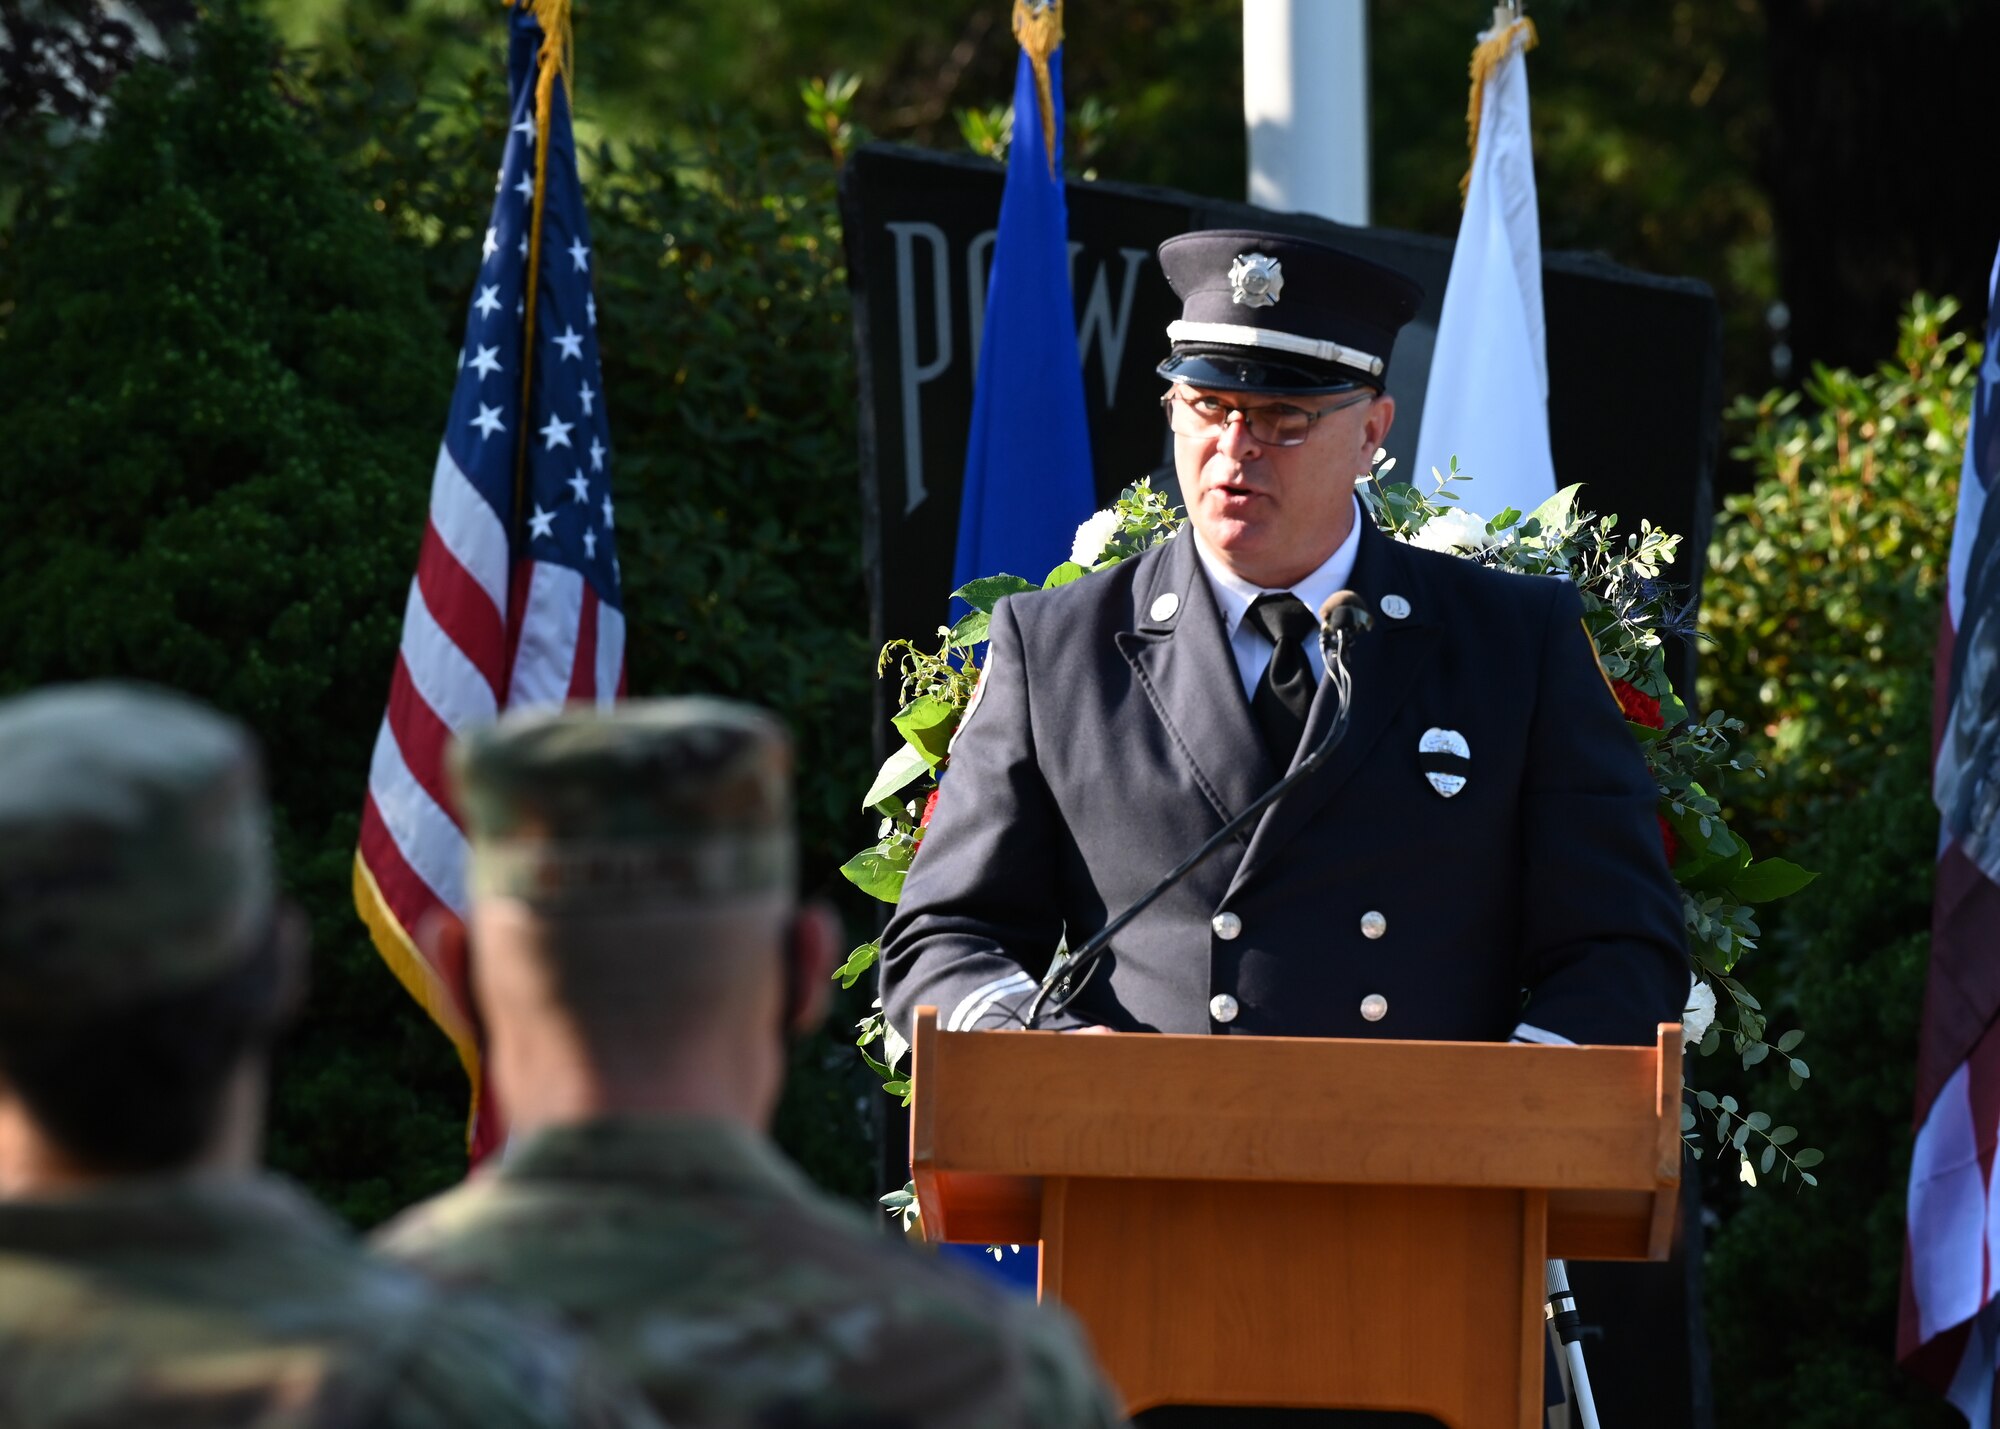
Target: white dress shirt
1234,595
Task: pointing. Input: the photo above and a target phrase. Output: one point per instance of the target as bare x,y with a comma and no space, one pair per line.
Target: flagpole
554,18
1305,106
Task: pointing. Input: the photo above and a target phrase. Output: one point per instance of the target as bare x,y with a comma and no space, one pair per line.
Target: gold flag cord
1486,57
554,18
1039,31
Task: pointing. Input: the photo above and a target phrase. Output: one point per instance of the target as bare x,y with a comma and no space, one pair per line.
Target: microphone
1344,610
1342,617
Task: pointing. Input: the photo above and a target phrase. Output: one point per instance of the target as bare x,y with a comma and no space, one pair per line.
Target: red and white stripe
478,637
1949,1328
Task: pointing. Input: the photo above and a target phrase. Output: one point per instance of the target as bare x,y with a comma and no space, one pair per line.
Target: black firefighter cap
1266,312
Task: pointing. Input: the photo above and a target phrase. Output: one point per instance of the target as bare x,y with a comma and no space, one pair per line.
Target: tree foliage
227,354
217,393
1824,592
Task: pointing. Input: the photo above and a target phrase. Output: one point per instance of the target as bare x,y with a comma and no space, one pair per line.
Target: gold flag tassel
1486,57
553,60
1038,28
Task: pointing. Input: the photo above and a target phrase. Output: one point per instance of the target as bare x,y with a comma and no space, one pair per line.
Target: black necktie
1285,694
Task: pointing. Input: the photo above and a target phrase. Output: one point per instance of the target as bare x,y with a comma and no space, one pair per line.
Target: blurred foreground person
149,1274
640,963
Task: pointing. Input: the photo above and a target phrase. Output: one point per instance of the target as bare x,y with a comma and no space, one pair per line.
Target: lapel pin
1395,607
1165,606
1445,758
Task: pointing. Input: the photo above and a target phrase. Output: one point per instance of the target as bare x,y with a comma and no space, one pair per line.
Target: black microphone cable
1341,617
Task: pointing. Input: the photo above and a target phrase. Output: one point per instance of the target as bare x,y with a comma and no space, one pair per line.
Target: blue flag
1028,481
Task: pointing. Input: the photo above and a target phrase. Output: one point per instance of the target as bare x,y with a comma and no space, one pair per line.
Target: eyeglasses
1277,424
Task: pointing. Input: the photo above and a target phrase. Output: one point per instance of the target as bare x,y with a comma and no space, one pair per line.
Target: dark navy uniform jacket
1112,736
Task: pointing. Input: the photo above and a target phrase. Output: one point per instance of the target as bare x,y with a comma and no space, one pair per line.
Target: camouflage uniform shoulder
235,1303
707,1270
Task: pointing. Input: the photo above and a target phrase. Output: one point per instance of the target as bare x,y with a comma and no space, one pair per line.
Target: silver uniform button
1226,926
1374,1007
1222,1007
1373,924
1395,607
1165,606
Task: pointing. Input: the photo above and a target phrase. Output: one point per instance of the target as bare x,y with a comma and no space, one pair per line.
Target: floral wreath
1630,612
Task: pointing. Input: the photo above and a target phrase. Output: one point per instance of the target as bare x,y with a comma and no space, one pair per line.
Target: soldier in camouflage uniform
641,962
149,1275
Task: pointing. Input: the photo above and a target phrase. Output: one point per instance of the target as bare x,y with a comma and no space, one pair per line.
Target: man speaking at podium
1477,860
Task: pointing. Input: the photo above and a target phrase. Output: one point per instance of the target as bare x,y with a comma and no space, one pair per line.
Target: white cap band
1238,335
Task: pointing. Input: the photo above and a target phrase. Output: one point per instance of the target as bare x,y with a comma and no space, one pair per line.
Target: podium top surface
1300,1109
1596,1127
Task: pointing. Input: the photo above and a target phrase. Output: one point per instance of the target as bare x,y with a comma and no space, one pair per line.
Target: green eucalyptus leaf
970,630
927,723
1784,1135
1557,510
1791,1039
1768,879
1808,1157
1755,1053
878,873
897,771
986,592
858,962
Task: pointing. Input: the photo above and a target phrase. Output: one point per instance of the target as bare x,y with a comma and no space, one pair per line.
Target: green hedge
228,344
1824,590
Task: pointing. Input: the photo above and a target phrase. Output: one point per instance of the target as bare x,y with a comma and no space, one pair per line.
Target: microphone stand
1569,1329
1333,649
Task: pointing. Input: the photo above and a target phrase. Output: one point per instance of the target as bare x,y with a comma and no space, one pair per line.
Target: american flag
1949,1332
516,599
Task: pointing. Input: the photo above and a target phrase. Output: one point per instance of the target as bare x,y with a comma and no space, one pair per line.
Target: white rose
1093,535
1698,1014
1452,530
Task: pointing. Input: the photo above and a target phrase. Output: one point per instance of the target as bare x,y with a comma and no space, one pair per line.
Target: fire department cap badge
1255,279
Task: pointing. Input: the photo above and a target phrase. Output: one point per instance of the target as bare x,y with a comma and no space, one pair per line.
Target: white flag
1488,399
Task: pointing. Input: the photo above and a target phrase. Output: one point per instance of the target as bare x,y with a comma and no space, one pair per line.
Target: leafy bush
226,357
219,398
1824,591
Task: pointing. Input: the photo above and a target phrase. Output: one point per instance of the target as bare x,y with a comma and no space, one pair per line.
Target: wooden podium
1296,1221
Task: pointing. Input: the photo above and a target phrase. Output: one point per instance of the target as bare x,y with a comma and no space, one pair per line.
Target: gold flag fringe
1486,57
1040,33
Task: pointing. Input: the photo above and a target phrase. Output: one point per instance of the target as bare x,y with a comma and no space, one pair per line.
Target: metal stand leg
1569,1329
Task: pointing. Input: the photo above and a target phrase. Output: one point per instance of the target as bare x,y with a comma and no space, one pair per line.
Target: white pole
1305,105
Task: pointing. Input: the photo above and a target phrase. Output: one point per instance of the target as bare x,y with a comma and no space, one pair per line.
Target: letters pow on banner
1634,360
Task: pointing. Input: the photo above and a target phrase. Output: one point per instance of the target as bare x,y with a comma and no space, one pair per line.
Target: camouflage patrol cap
135,848
668,800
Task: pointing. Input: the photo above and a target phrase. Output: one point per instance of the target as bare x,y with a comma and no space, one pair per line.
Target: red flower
1667,839
930,807
1639,707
